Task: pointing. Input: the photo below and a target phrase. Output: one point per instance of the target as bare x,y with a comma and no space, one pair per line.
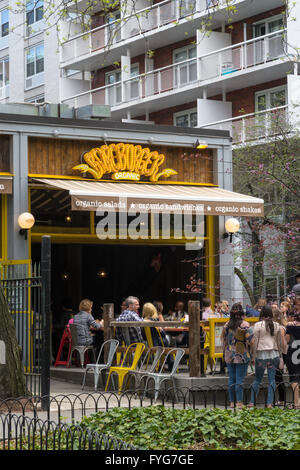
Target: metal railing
19,432
73,407
129,26
187,74
254,126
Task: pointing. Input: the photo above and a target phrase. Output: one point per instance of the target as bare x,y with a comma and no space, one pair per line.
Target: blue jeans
237,374
260,366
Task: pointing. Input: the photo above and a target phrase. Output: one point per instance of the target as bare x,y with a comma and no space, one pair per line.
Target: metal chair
79,348
133,354
98,368
161,377
146,366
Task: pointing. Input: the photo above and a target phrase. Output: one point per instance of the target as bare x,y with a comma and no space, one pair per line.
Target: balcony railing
187,74
142,21
255,126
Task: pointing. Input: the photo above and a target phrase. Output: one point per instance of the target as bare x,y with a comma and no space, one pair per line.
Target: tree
269,168
12,378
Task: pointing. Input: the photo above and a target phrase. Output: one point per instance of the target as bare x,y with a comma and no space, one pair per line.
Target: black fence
73,407
20,432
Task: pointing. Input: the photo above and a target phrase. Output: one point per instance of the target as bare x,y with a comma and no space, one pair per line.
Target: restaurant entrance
108,273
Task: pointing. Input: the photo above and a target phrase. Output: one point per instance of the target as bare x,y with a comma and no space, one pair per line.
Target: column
17,246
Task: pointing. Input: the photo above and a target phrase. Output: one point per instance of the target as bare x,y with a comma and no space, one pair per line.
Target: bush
156,427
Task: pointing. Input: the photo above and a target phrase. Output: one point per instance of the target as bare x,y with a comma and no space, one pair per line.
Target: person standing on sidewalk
267,342
237,336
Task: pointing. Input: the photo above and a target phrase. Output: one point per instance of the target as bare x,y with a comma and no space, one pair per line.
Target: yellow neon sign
124,162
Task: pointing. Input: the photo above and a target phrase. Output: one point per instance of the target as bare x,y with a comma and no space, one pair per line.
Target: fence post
46,312
194,337
108,316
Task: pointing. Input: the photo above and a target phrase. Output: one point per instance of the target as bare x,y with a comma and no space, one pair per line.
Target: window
4,23
4,78
114,92
185,73
113,30
269,25
271,47
4,29
186,118
269,99
36,99
34,16
35,66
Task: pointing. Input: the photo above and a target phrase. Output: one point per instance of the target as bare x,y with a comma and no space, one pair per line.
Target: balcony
178,83
82,50
251,128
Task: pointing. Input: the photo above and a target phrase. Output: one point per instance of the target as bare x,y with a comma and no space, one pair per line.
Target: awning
140,197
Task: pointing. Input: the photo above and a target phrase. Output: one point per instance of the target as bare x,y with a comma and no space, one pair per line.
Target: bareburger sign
134,163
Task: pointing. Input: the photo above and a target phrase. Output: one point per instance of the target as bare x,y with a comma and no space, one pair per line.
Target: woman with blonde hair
149,312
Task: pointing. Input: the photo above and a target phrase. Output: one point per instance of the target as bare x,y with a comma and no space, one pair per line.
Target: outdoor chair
161,377
133,355
146,365
79,348
98,368
66,340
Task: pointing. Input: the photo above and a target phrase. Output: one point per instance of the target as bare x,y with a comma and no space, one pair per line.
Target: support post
194,337
46,312
108,316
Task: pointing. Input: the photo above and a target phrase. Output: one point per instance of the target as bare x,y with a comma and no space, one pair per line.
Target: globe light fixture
26,222
232,226
102,273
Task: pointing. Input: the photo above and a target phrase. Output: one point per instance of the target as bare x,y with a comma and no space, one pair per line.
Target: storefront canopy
143,197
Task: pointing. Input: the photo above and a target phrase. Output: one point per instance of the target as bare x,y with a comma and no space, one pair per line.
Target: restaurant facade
132,209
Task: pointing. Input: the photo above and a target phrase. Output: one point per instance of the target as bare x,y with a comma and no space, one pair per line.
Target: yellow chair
122,370
212,362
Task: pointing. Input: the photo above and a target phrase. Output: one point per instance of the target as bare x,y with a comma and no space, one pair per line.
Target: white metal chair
161,377
146,365
98,368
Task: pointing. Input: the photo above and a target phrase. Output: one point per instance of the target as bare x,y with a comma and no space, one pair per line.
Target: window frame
183,113
268,92
35,60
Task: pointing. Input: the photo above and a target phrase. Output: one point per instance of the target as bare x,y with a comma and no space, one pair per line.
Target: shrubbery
156,427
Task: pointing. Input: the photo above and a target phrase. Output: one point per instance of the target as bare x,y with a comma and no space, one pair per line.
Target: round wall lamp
26,222
102,273
65,276
232,226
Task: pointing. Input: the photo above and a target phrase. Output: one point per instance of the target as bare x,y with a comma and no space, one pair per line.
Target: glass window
4,72
34,11
270,99
4,23
268,26
35,60
186,119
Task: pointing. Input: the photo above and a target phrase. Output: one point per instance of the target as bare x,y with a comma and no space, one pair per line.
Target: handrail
185,62
118,21
238,118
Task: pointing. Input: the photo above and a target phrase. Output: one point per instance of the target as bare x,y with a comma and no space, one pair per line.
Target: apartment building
171,62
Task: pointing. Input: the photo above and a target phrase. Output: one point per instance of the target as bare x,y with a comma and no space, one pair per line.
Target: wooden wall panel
58,156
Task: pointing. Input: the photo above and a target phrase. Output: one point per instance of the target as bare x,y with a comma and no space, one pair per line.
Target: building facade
176,62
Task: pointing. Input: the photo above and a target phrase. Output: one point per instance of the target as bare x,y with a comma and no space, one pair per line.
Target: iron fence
21,432
73,407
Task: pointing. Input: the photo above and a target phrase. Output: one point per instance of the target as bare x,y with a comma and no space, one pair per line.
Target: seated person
207,311
132,305
179,312
84,321
150,313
